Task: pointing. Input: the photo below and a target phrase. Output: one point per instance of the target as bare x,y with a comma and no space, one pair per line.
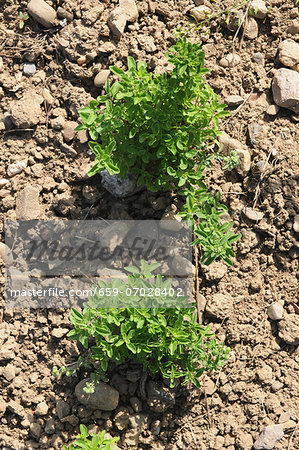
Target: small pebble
276,386
272,110
81,60
230,60
258,58
15,168
284,417
101,78
252,214
29,69
268,437
233,100
3,181
200,13
296,223
275,311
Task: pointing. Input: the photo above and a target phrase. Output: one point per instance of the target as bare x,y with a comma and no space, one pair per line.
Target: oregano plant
164,130
165,340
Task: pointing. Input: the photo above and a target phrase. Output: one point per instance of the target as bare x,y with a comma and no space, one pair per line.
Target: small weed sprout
22,18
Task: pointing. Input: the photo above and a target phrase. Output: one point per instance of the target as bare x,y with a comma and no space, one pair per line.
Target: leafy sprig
164,340
91,442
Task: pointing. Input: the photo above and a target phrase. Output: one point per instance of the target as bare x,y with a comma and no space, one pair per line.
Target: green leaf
117,71
75,317
131,63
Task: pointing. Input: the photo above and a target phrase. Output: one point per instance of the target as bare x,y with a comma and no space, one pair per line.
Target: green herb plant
165,340
22,18
163,129
91,442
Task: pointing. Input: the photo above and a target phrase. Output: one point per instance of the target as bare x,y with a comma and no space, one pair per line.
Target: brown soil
259,384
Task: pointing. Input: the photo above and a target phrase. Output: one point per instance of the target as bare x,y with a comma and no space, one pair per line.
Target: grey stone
258,9
220,305
64,14
230,60
101,78
160,398
42,13
227,143
258,58
130,8
275,311
285,88
9,372
42,409
35,430
117,21
200,13
16,408
50,426
104,396
251,29
272,110
62,409
29,69
245,161
288,329
119,187
294,28
27,203
182,267
156,427
69,130
234,100
254,131
288,52
253,214
268,437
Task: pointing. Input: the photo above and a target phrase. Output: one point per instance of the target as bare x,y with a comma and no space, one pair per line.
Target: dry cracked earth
50,68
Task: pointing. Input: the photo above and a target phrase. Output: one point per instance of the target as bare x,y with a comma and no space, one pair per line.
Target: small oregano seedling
85,441
165,340
163,129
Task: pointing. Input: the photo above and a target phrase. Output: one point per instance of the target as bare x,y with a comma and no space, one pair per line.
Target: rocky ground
53,66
